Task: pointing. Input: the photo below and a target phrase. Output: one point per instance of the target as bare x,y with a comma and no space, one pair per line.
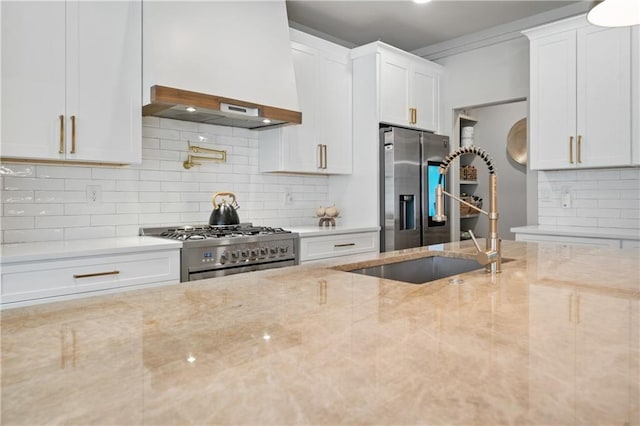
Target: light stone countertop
579,231
49,250
315,231
553,339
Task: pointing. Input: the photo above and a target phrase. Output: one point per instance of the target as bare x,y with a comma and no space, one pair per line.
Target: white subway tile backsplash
14,183
32,209
600,198
17,196
17,222
63,172
62,221
82,233
119,197
125,208
49,202
32,235
60,196
114,219
117,173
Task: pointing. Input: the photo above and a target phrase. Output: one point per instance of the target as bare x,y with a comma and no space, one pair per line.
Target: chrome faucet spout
491,256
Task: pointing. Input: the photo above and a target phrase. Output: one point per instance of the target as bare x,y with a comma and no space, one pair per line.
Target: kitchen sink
423,270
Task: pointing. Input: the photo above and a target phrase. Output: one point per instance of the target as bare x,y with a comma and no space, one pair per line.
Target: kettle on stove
224,213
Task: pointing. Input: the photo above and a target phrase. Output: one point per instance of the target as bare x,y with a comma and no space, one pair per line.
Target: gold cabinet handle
571,149
95,274
415,116
579,148
61,148
326,160
319,155
73,134
344,245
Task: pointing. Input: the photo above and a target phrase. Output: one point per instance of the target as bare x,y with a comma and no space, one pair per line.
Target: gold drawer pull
96,274
344,245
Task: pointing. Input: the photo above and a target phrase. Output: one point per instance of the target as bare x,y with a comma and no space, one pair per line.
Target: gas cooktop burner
204,232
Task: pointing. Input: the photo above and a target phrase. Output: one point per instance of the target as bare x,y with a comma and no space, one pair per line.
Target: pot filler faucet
491,257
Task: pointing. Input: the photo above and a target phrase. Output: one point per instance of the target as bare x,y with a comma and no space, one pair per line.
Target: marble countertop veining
551,340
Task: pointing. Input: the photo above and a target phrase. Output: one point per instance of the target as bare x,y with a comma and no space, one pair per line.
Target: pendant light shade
615,13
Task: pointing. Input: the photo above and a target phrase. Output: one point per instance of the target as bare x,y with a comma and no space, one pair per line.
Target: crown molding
498,34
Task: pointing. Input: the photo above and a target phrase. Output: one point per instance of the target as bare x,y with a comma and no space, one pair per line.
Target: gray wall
494,123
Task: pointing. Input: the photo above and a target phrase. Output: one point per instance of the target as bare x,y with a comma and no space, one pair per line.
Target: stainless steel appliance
214,251
410,160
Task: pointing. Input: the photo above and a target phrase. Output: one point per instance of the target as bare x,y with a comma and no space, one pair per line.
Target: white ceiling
410,26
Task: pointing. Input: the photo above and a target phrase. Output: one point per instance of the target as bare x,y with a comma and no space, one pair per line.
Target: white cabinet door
33,78
409,91
71,80
395,77
103,80
552,101
300,151
336,114
426,97
581,110
604,97
322,144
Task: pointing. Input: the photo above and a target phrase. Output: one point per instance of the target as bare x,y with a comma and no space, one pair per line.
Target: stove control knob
224,257
235,255
245,253
263,251
273,250
253,253
284,249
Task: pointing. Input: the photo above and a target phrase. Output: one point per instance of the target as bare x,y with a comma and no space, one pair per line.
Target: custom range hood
227,63
169,102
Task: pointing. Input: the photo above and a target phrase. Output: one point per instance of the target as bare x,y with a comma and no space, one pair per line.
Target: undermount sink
423,270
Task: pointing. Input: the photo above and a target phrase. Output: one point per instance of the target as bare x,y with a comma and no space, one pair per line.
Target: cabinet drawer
313,248
37,280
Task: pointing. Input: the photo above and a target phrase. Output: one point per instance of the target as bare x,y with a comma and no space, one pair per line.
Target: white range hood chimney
200,55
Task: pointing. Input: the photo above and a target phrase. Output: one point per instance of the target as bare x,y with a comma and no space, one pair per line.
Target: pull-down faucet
491,257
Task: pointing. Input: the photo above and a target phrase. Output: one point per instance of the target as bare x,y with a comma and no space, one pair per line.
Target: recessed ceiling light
190,109
421,1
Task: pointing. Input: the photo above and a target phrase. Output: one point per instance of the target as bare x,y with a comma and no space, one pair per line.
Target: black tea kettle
224,213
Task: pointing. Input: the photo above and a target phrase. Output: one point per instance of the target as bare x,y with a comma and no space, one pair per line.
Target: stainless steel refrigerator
409,163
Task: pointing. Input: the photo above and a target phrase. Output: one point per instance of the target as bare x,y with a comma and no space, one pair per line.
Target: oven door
230,270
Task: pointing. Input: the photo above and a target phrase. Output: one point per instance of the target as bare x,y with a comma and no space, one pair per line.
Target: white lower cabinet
26,283
338,245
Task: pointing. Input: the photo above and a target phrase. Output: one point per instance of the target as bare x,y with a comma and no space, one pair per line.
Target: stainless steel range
214,251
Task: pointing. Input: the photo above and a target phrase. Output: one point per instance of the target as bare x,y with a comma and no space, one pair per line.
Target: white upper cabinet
409,90
581,102
322,143
71,76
